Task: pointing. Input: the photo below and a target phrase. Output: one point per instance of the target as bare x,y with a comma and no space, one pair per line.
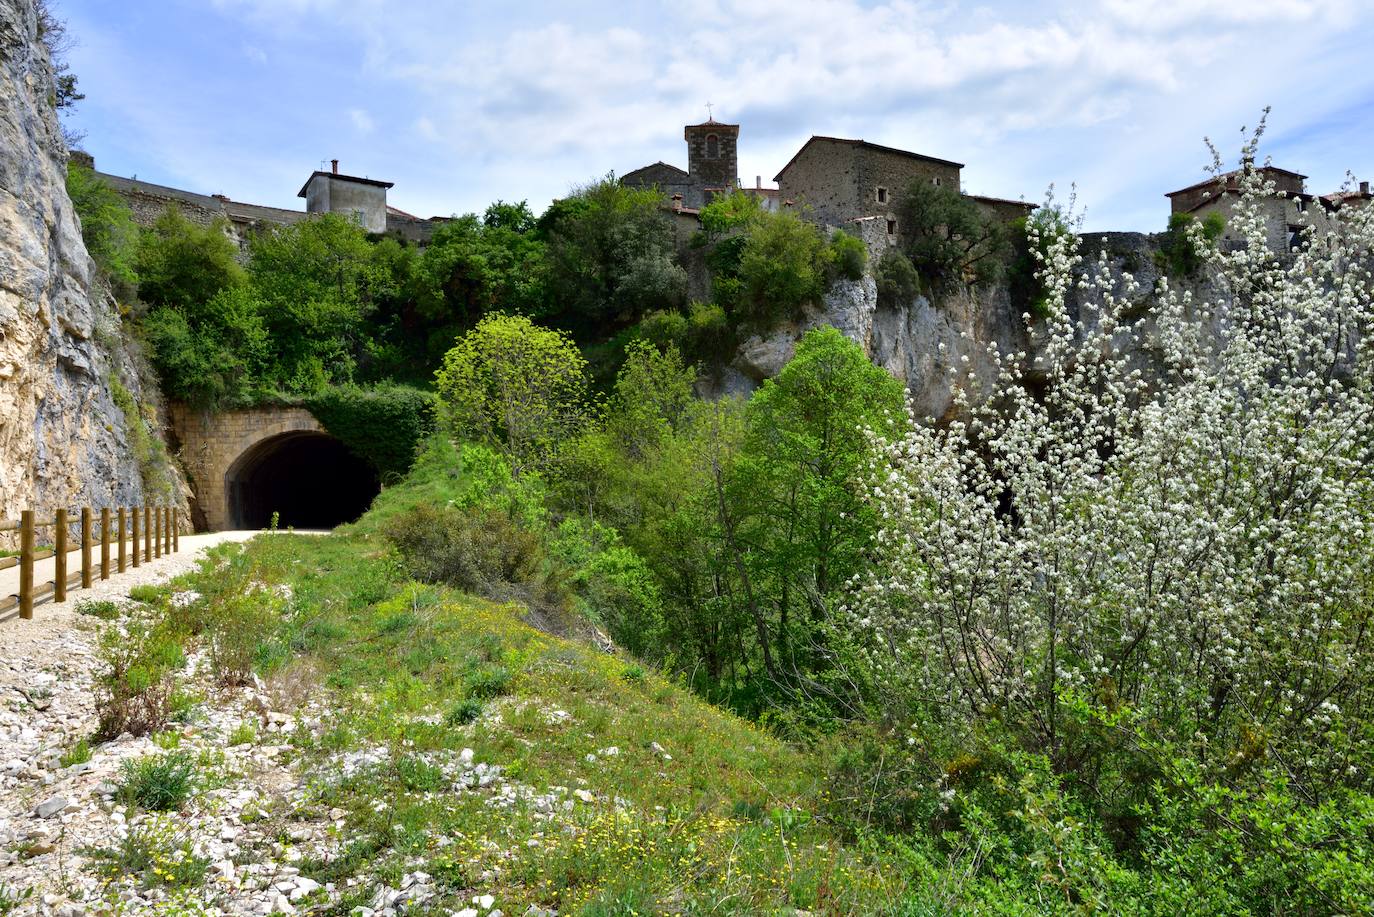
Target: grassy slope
727,824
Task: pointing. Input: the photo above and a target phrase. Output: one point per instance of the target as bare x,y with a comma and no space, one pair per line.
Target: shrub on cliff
107,226
782,267
184,264
948,239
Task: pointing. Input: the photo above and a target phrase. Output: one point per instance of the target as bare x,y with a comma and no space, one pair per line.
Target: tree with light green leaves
515,385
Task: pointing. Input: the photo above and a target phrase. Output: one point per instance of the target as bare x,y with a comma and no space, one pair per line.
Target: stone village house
836,182
361,199
1285,212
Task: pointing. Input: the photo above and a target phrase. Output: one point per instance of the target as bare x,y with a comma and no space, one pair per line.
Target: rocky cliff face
75,426
939,347
921,343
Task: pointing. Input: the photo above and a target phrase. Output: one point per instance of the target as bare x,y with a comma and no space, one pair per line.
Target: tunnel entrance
310,479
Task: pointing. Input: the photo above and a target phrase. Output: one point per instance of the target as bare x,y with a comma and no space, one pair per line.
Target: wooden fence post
59,579
85,547
122,538
176,531
157,529
26,564
135,538
147,532
104,542
167,530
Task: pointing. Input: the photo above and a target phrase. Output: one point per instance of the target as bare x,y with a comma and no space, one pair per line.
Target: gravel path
117,586
49,813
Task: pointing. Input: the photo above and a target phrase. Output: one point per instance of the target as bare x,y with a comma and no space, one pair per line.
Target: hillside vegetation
1097,643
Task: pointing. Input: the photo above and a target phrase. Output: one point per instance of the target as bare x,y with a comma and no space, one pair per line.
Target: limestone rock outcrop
64,438
940,347
920,343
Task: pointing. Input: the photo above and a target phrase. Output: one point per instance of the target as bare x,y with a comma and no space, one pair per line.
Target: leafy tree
183,264
513,384
472,267
609,256
948,239
652,397
107,225
782,267
318,280
793,486
213,353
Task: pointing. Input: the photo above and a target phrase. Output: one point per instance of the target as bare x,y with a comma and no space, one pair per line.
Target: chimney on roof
758,182
1364,187
334,166
677,202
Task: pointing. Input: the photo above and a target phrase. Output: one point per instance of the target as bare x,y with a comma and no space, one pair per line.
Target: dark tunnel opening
310,479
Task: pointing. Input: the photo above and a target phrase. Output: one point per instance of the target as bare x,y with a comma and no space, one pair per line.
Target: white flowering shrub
1161,524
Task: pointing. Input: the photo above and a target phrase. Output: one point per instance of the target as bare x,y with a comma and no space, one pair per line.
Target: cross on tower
709,115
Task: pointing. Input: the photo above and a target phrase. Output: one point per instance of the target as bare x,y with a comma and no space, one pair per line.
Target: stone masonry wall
823,183
895,173
211,443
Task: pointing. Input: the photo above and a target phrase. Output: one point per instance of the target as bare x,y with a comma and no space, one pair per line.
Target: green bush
156,854
664,327
897,280
184,264
488,681
466,711
210,354
159,783
238,625
245,733
1179,255
104,609
385,424
703,334
782,268
481,550
79,753
848,255
613,585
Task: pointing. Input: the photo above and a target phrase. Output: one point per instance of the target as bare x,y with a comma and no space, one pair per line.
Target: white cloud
362,121
529,99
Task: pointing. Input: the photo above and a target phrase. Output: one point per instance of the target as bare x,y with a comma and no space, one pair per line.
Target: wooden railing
159,533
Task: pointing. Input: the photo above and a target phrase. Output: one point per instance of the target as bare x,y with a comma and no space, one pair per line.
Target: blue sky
464,103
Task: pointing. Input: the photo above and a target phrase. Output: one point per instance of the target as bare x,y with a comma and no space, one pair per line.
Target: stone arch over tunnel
248,462
307,478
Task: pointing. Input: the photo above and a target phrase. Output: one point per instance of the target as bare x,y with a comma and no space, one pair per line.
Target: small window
882,195
1302,205
935,182
358,217
891,227
712,146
